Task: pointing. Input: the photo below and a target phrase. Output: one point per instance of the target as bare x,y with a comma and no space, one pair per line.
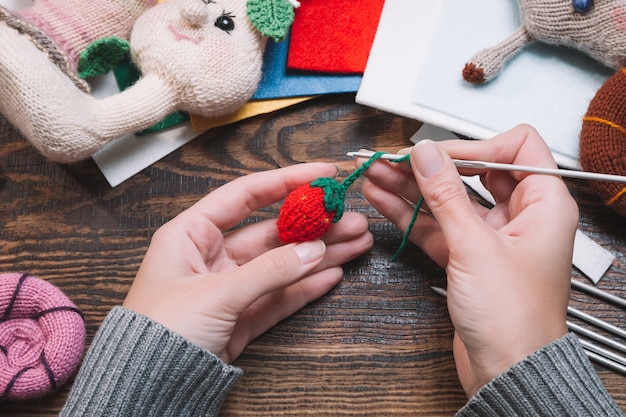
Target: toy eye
225,22
582,6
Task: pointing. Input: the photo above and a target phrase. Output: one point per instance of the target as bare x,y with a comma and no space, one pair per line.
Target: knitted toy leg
42,337
603,139
488,63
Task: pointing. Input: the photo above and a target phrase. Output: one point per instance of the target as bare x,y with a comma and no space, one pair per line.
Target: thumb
276,269
443,190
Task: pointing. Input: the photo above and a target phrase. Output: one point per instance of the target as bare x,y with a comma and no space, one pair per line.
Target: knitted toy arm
64,123
488,63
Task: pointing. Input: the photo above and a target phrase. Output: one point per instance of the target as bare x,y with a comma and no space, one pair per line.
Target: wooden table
378,344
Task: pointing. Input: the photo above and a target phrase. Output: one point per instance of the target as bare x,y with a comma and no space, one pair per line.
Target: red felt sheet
333,35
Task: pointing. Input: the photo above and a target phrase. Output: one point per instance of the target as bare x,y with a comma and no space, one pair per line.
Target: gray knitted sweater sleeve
136,367
556,380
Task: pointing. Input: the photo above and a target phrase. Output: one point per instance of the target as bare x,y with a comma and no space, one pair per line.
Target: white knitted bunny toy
199,56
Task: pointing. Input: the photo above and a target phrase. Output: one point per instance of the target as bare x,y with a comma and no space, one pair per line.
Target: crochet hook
511,167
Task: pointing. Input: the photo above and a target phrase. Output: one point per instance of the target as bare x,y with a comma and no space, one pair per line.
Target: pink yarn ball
42,336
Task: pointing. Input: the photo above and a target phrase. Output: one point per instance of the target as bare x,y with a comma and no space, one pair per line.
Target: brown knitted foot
473,74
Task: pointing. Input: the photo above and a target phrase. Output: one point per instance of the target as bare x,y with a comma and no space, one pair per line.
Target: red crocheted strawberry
310,210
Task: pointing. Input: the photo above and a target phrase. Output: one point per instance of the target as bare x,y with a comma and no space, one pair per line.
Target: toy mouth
180,36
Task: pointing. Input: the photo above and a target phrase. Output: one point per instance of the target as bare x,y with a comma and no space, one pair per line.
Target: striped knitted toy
42,337
603,139
199,56
597,28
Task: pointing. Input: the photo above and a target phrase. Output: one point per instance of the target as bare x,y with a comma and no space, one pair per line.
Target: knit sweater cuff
137,367
558,379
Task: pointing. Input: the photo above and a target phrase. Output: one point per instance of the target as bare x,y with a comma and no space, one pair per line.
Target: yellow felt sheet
250,109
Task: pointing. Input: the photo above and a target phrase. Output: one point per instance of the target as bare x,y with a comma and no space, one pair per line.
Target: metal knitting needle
572,312
596,321
606,362
594,352
603,352
603,295
596,336
511,167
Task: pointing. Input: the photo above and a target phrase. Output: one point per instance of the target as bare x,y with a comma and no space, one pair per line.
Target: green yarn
407,232
335,195
272,18
101,56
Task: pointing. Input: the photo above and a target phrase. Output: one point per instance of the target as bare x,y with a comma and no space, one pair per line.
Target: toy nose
195,12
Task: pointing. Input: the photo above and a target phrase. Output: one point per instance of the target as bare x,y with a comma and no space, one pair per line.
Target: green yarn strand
407,232
335,195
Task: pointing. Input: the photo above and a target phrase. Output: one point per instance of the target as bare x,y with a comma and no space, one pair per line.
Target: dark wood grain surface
379,344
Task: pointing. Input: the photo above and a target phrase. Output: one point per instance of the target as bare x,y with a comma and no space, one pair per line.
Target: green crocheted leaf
101,56
272,18
334,195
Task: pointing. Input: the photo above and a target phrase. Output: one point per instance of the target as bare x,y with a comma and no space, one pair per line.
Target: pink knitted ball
42,336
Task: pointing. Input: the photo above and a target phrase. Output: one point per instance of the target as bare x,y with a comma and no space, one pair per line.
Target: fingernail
310,251
427,158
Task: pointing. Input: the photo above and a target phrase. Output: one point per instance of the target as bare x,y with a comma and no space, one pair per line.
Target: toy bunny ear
272,18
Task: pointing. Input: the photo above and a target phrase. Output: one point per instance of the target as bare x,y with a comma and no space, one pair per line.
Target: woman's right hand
508,267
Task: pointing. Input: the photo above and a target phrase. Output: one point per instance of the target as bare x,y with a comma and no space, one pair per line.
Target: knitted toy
603,139
199,56
42,337
311,209
596,28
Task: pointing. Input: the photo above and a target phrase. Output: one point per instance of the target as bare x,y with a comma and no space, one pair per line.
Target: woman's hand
508,267
222,289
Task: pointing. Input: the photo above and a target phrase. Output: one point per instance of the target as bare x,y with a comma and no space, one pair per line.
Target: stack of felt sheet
325,53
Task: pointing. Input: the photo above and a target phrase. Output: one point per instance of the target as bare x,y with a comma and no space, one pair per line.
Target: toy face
204,48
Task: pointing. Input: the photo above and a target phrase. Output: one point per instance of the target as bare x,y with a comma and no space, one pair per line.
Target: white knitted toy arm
64,123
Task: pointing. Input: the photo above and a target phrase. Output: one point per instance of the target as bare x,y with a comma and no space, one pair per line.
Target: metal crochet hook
511,167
